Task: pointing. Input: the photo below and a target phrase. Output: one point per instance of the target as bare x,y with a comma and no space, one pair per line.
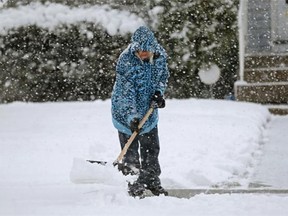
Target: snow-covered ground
203,143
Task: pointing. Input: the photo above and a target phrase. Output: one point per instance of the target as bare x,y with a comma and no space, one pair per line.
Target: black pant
149,152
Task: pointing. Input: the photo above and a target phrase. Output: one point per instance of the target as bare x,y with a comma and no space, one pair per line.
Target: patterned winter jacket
137,81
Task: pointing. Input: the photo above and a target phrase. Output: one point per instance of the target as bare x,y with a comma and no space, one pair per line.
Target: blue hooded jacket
137,81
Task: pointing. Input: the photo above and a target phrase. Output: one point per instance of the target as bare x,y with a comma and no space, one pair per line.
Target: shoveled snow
51,15
203,143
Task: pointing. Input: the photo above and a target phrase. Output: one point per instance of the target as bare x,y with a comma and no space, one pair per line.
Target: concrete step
278,109
266,61
264,93
266,75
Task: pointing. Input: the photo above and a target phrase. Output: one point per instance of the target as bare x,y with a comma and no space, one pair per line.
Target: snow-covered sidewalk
204,143
272,170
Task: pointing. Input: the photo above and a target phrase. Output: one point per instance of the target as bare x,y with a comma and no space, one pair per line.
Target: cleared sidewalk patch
188,193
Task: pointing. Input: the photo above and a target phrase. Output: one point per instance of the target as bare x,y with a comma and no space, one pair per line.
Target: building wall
258,26
264,70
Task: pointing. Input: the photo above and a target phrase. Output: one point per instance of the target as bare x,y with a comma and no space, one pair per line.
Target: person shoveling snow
141,79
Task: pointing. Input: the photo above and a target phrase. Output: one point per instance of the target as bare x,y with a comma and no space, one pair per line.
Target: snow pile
51,15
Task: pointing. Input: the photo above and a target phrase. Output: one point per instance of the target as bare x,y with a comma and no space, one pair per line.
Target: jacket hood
143,39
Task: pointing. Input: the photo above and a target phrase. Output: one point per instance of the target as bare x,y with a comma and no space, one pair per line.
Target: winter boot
136,189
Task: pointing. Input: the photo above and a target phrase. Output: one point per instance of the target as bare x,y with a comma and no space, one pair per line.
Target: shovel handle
133,136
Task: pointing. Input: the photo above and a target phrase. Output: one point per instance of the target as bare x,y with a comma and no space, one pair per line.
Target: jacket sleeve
127,73
163,71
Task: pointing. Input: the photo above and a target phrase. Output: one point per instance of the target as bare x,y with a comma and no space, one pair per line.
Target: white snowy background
204,143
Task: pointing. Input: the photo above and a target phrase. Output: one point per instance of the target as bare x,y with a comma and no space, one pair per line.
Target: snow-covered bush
198,34
53,52
74,62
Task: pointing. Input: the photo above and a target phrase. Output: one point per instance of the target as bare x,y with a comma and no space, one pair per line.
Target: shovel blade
115,163
83,171
97,162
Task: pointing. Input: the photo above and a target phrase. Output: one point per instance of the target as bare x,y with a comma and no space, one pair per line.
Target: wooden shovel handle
133,136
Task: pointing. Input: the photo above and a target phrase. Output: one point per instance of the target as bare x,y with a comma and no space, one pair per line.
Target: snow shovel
130,140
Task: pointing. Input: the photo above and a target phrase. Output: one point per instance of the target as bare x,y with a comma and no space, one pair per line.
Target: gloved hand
158,99
134,125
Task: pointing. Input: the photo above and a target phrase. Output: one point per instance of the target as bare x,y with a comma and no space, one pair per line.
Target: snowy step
278,109
266,75
266,61
273,93
188,193
265,80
